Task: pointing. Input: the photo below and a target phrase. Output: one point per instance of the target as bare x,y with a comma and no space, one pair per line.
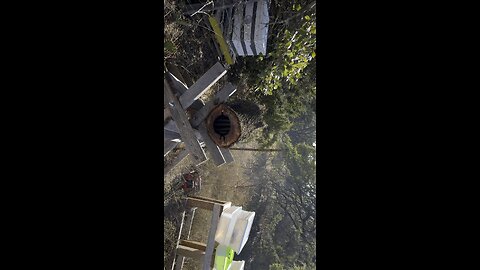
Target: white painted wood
185,129
247,26
237,25
203,84
261,27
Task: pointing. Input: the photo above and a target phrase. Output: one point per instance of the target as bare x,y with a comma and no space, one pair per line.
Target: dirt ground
189,46
229,182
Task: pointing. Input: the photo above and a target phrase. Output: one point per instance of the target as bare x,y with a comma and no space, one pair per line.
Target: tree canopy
284,81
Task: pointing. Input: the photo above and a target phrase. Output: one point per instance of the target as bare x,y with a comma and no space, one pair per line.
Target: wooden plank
203,204
171,126
227,155
180,261
193,244
247,27
212,148
217,210
211,200
168,146
183,154
197,104
220,97
189,223
170,135
176,83
186,131
190,252
203,84
178,240
181,88
166,114
174,70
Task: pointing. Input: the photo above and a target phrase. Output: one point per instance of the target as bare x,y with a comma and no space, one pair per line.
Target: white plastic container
226,225
237,265
241,230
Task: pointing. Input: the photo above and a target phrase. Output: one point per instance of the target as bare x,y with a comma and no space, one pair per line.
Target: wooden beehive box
245,26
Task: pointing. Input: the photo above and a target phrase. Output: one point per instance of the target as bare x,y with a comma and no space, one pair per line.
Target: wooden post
207,261
178,240
186,131
189,222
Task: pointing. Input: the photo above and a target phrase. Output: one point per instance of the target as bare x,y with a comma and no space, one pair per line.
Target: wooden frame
203,252
179,97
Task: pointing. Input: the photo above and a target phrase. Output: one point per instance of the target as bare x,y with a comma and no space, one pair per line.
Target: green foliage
276,266
283,84
283,235
284,81
291,56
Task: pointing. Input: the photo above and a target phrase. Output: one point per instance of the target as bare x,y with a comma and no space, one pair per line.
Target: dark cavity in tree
221,125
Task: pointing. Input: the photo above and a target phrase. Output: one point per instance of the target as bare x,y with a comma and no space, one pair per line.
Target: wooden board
171,126
212,148
227,155
183,154
188,223
166,114
190,252
220,97
193,244
168,146
176,83
217,211
203,204
203,84
225,203
181,88
170,135
186,131
178,240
